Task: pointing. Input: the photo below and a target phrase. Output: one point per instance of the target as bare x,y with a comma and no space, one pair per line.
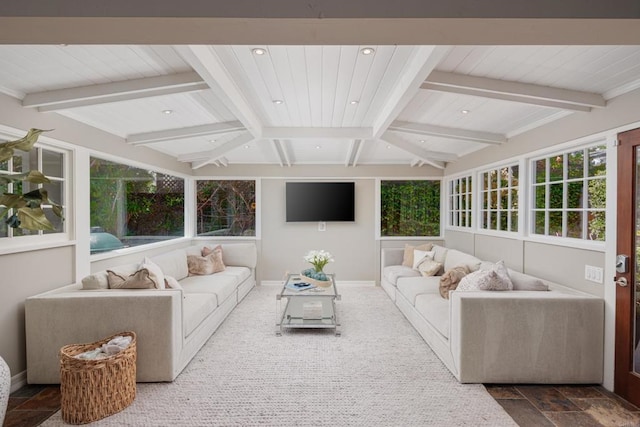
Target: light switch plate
322,226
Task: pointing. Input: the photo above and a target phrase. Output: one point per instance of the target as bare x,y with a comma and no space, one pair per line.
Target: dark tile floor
528,405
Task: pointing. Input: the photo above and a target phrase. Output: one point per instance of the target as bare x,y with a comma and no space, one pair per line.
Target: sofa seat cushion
221,285
197,307
393,272
435,310
410,287
239,273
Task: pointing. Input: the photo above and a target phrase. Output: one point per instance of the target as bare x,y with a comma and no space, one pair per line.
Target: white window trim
478,190
471,205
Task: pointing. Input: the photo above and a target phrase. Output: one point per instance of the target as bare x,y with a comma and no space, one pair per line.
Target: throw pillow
450,279
495,279
407,260
155,272
216,256
429,267
138,280
419,256
171,283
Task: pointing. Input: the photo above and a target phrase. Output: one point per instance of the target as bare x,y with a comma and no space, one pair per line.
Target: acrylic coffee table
311,308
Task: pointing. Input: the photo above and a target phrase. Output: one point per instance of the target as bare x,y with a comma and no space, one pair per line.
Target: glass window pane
493,199
597,160
135,205
555,196
493,220
541,171
555,224
463,202
485,181
597,193
493,178
504,177
226,208
503,220
597,229
541,191
574,195
514,199
485,201
504,199
574,224
19,160
54,190
555,168
576,164
514,221
463,219
540,222
515,172
52,164
56,221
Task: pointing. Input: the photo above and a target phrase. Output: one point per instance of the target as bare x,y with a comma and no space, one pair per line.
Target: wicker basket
94,389
320,283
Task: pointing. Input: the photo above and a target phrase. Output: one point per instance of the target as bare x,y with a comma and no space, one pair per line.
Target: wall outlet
593,274
322,226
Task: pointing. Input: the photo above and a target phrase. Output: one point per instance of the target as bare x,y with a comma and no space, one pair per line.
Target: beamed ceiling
331,104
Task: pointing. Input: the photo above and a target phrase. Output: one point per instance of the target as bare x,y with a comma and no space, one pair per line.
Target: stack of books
299,286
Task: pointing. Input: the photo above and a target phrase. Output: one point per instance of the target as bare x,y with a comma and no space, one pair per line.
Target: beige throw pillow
450,279
138,280
407,260
207,264
171,283
429,267
419,256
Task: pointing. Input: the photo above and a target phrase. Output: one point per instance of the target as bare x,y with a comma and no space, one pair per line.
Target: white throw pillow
420,256
429,267
155,272
494,279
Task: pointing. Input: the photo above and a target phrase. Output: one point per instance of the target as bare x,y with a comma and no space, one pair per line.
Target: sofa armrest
391,256
527,337
73,316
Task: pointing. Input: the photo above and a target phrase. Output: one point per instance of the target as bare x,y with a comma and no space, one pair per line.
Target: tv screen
320,201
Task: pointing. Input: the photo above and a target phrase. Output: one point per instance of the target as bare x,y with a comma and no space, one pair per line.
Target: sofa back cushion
99,280
524,282
455,258
173,263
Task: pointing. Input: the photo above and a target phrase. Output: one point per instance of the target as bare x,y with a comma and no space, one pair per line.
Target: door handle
622,281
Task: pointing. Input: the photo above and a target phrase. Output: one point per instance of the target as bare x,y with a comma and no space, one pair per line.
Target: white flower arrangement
318,259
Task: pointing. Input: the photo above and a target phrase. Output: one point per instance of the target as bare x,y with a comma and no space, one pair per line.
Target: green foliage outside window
410,208
226,208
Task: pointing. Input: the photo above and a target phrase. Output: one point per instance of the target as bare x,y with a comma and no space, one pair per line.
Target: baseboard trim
338,282
18,381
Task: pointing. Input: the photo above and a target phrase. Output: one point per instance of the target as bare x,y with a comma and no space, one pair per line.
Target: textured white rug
378,373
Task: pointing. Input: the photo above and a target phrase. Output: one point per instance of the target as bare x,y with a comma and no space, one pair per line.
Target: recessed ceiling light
246,146
367,50
318,147
465,111
422,140
354,102
167,111
212,140
278,101
259,51
388,146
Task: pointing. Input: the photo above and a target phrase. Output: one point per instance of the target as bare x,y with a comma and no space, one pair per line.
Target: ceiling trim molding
526,93
421,65
315,132
447,132
187,132
429,157
206,62
83,96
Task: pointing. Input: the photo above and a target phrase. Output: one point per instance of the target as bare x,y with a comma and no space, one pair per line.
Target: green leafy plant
25,210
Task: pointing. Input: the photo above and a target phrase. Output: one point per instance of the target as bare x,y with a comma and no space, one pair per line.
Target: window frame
40,239
565,181
481,212
452,197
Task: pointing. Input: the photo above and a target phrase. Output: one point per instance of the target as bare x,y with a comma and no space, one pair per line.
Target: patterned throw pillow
429,267
141,279
495,279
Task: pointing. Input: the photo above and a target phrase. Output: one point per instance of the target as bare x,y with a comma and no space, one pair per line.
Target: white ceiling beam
203,158
435,159
355,148
276,149
223,161
416,163
446,132
280,149
205,61
184,133
82,96
356,157
421,64
313,132
527,93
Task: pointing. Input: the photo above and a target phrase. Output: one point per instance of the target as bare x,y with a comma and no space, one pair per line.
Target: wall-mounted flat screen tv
320,201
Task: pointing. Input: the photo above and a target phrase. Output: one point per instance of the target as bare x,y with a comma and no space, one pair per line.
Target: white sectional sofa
552,336
171,324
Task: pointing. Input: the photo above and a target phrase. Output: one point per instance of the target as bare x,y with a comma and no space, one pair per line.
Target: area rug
380,372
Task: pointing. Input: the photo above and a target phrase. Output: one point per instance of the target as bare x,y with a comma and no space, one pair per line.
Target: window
409,208
135,206
499,199
460,202
226,208
52,164
569,194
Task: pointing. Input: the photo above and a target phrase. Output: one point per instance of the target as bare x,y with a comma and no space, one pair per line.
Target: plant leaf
57,209
5,153
34,219
11,200
26,142
33,176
